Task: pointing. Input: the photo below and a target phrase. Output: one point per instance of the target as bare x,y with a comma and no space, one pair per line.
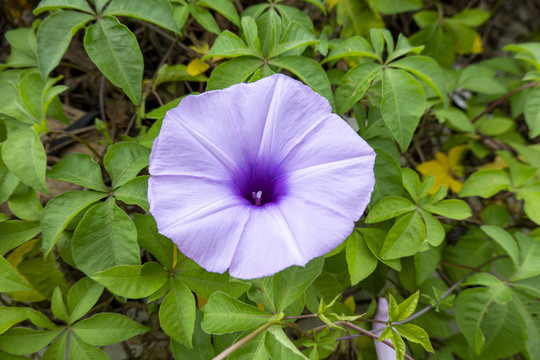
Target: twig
504,97
237,345
450,290
78,139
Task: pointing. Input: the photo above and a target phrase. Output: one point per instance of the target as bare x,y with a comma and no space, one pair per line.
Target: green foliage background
455,251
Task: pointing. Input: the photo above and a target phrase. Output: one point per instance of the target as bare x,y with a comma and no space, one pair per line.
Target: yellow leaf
200,48
201,301
477,45
445,169
15,259
260,306
350,303
196,67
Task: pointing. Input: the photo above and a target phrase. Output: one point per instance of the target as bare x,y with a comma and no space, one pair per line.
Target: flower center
257,197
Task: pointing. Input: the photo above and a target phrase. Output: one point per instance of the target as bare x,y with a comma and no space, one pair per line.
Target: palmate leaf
82,296
48,5
78,349
10,280
202,348
224,7
404,238
124,160
279,346
105,237
389,208
57,349
403,102
115,51
134,192
229,45
354,85
532,112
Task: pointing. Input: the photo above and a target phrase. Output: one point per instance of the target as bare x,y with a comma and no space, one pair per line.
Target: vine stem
237,345
450,290
78,139
504,97
371,335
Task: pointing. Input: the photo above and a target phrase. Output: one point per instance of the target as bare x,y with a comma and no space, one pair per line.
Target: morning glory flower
258,177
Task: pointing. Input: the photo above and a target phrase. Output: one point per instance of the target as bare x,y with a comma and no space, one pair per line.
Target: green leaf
22,341
134,192
23,154
148,237
48,5
80,169
532,112
504,239
249,27
297,38
404,238
24,203
124,161
8,180
229,45
57,349
309,71
175,73
224,7
529,257
489,327
206,283
43,275
357,18
54,35
354,46
411,183
389,7
105,237
10,280
60,210
79,350
501,292
39,319
480,79
485,183
471,17
403,102
57,305
435,233
452,209
154,11
387,176
133,281
288,285
253,350
14,233
407,307
360,261
415,334
177,313
204,18
10,316
269,26
82,296
107,328
115,51
426,69
279,346
389,208
202,348
529,308
23,47
455,118
354,85
232,72
223,314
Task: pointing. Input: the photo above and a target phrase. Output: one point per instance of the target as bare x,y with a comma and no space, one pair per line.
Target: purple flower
258,177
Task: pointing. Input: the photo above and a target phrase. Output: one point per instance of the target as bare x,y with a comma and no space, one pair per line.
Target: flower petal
203,217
